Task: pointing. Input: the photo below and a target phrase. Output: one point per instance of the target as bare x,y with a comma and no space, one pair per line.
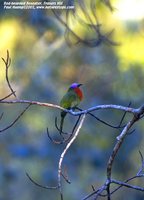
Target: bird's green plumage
69,101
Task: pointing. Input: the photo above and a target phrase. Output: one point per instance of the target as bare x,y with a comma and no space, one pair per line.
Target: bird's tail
63,114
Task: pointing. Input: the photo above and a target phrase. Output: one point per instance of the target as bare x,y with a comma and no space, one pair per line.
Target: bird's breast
79,93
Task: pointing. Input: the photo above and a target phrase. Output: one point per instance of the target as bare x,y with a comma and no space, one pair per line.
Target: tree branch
18,117
127,185
117,146
7,96
39,185
65,151
89,110
7,62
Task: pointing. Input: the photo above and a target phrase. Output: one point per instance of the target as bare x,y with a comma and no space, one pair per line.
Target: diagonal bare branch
1,116
18,117
127,185
7,96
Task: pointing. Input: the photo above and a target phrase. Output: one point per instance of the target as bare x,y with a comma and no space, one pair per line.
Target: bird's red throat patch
79,93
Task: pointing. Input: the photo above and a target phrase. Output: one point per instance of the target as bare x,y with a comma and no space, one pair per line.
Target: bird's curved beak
80,84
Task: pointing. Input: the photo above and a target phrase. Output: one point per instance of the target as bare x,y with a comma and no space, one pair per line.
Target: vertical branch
7,62
108,192
64,152
123,116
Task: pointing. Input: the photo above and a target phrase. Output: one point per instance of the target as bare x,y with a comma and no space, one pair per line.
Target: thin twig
102,121
7,96
127,185
122,119
105,195
7,62
1,116
61,131
93,188
65,178
52,140
9,126
64,140
92,194
104,187
126,181
142,164
76,124
39,185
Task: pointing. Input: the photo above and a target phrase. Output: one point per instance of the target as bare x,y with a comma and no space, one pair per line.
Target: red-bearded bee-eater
70,100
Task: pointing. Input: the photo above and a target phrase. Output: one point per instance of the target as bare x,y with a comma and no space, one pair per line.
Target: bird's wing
69,100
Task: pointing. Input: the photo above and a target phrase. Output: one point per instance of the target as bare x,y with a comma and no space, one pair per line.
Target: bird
70,100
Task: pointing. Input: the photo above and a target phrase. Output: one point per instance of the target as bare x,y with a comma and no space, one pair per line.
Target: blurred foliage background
43,66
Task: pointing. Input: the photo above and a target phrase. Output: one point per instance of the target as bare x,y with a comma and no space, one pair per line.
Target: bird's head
75,85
